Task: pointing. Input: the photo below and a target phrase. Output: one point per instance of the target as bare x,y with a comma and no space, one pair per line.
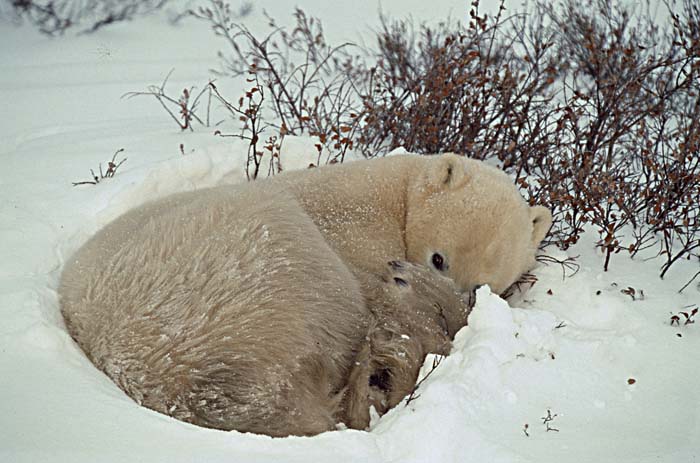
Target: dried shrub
55,17
184,108
112,166
311,84
591,106
627,157
465,91
248,111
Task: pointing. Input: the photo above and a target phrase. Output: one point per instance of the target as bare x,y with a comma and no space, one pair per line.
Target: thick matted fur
250,307
416,311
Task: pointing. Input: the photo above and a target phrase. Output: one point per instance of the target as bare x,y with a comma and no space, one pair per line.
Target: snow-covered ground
620,383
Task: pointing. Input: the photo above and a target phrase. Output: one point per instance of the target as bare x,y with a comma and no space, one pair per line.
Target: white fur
245,307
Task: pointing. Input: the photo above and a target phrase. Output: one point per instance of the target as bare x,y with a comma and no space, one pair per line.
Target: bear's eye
438,261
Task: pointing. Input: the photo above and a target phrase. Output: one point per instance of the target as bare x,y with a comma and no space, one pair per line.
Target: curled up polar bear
288,305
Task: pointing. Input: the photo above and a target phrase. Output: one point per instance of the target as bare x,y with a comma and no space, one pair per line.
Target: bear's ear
447,172
541,221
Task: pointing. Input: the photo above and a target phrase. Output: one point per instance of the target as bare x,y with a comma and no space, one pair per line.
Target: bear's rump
206,310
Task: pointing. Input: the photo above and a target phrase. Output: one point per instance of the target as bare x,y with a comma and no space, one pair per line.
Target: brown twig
112,166
437,360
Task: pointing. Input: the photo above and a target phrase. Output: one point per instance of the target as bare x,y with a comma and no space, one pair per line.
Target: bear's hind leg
310,406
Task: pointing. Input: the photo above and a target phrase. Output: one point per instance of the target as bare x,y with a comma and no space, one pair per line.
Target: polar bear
250,307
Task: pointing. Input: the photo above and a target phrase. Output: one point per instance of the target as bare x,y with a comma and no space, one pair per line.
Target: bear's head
467,220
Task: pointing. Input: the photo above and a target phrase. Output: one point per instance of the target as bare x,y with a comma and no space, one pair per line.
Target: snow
560,346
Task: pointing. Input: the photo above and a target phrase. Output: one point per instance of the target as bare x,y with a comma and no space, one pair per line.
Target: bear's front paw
425,297
407,275
397,273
